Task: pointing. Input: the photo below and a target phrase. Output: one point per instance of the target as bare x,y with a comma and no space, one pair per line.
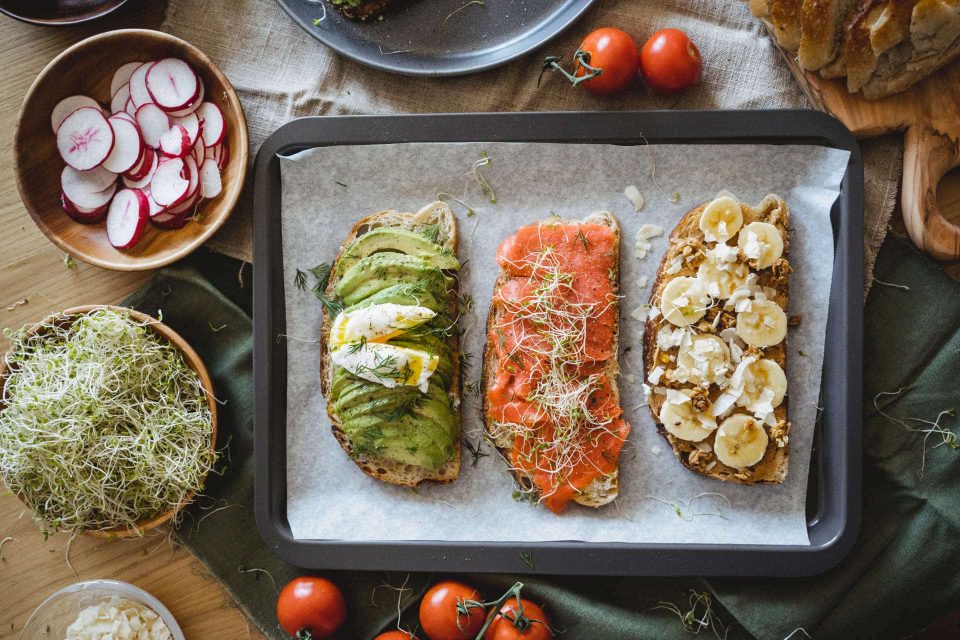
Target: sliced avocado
379,271
438,409
395,239
444,370
376,398
427,293
408,438
428,455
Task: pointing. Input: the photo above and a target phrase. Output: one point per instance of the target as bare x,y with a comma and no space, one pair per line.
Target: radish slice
223,156
155,209
171,222
170,184
172,84
138,86
153,124
192,173
126,116
127,218
81,214
146,166
119,100
67,106
191,123
199,151
175,143
122,75
88,189
146,177
193,106
85,138
128,146
187,206
213,123
210,183
130,109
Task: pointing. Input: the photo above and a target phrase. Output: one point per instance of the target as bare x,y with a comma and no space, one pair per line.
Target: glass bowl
60,610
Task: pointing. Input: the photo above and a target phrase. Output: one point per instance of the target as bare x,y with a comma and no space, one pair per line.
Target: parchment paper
326,190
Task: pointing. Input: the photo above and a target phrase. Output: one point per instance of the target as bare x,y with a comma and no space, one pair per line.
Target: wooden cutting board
929,114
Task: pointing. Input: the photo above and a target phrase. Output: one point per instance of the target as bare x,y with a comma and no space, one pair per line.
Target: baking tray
834,487
439,37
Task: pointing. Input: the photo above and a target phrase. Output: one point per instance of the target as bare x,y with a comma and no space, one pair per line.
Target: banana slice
722,278
705,361
741,441
721,219
762,385
761,241
684,301
679,417
763,325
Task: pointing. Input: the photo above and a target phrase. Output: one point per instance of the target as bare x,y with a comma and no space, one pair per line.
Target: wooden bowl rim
232,193
192,360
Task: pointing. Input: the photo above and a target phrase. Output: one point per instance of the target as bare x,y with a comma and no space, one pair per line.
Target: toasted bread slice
684,255
602,490
821,27
379,467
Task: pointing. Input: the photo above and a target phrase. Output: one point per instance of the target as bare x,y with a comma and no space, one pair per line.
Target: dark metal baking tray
439,37
834,487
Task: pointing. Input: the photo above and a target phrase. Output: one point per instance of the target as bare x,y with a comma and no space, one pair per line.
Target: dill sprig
321,275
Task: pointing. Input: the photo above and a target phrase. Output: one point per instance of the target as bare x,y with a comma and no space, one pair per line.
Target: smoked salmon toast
551,402
715,341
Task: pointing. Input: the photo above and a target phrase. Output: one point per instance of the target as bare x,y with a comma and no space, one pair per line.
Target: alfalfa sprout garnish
102,424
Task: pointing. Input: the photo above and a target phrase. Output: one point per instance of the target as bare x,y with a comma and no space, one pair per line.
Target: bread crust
772,468
373,465
603,490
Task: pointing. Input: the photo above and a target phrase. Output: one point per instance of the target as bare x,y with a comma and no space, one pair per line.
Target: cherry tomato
613,52
670,62
310,604
509,625
439,616
396,634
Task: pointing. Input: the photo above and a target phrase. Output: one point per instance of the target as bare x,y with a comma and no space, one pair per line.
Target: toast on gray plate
551,403
390,359
714,346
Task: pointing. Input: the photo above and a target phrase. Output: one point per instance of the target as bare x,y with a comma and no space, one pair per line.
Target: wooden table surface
33,269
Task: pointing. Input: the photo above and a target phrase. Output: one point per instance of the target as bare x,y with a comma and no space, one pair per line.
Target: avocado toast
551,402
714,346
390,356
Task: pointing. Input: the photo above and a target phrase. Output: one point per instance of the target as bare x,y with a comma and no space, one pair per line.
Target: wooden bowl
190,358
87,68
59,13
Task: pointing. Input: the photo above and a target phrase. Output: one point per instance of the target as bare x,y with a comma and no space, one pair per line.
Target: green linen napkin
902,575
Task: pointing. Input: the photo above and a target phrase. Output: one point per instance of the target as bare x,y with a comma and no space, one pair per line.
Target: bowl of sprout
108,421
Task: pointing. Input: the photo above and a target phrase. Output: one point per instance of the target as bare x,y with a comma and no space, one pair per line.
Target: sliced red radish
175,143
213,123
81,214
223,157
119,100
138,86
210,182
146,166
127,218
172,84
171,222
88,189
127,148
199,151
191,123
131,108
193,106
187,206
126,116
170,184
191,171
85,138
122,75
153,122
155,209
146,177
67,106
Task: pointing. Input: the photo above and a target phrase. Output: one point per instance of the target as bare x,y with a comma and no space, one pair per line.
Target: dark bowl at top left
59,12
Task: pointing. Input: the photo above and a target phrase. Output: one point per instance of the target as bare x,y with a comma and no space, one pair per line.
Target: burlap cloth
282,73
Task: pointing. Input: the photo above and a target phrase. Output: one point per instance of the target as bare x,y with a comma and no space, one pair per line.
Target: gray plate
440,37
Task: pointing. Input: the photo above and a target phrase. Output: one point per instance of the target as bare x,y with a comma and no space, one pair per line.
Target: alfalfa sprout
102,423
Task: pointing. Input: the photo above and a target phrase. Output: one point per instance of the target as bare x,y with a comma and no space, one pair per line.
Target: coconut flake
655,375
634,196
648,231
642,281
640,313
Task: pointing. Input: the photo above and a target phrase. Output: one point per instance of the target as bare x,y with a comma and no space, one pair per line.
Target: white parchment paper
326,190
